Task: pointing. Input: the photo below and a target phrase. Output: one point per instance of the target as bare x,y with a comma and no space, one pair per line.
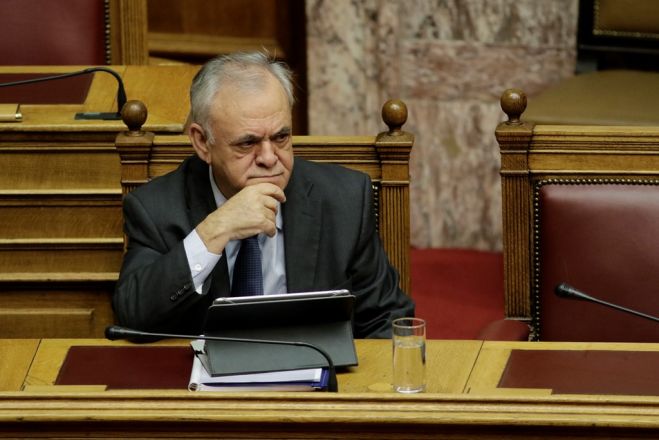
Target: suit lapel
201,203
301,215
198,191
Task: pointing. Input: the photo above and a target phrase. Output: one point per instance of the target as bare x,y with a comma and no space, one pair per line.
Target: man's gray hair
245,70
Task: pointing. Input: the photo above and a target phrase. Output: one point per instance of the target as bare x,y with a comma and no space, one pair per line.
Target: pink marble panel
455,187
464,71
449,60
530,23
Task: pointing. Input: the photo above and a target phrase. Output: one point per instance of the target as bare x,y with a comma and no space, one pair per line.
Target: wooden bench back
580,205
384,157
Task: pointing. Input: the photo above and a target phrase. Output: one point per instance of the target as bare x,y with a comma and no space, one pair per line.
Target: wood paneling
194,31
15,359
212,23
61,239
364,408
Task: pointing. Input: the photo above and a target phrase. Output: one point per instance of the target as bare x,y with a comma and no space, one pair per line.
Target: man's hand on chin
251,211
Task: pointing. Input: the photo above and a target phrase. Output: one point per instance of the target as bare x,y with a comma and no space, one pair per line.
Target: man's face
252,137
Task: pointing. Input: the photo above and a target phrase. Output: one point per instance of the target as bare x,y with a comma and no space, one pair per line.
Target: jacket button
173,297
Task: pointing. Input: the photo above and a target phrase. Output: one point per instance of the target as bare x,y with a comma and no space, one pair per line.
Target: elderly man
309,226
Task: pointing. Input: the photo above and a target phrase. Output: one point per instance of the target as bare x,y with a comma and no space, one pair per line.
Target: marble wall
449,60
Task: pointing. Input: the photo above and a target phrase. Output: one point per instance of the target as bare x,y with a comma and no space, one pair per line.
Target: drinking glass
409,355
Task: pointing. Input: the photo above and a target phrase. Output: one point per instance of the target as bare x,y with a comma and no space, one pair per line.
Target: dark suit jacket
330,242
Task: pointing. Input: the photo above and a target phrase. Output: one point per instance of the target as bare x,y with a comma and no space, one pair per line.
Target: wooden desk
453,358
363,408
164,90
60,201
15,358
494,355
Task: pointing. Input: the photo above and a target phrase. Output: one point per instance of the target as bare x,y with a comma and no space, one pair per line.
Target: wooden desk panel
50,411
448,364
164,90
494,355
15,358
50,356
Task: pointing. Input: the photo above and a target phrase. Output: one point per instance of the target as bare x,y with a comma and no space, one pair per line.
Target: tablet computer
279,296
321,318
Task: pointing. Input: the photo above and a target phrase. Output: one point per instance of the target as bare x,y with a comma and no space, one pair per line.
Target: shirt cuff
200,260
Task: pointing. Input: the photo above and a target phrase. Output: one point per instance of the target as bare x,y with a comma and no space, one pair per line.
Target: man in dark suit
314,223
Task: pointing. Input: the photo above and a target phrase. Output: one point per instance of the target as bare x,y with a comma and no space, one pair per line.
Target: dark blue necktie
247,275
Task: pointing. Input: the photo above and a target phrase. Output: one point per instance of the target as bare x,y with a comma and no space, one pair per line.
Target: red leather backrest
602,239
47,32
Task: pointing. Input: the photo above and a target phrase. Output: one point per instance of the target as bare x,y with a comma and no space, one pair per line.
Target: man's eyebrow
246,139
254,139
285,131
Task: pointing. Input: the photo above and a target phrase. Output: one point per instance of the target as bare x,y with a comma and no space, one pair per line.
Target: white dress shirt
202,262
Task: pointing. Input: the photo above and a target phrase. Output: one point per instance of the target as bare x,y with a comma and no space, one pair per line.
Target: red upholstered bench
580,206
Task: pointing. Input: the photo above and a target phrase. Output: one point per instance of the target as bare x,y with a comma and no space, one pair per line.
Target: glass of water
409,355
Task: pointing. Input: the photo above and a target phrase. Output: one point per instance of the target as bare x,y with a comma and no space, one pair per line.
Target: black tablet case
324,322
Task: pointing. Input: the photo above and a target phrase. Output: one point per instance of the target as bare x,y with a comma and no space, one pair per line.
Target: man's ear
199,142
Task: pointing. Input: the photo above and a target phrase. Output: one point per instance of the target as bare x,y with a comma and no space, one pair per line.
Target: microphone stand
115,332
121,91
564,290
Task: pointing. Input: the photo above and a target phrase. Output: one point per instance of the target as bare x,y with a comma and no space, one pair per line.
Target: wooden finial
134,115
513,104
394,114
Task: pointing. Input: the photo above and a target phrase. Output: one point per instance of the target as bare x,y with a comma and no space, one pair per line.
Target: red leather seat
603,239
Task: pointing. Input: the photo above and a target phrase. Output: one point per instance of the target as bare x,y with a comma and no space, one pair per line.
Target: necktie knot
247,272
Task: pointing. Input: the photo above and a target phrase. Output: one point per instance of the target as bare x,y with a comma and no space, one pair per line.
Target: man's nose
267,155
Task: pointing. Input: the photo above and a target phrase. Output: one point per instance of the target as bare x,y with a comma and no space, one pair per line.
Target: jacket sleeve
155,291
374,280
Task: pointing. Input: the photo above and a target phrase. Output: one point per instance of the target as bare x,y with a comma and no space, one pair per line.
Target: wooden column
514,137
134,147
128,32
393,148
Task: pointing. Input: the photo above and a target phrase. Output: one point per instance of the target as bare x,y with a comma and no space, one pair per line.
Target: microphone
115,332
121,91
564,290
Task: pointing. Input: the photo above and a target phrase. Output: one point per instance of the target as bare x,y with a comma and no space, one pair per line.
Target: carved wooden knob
134,115
513,103
394,114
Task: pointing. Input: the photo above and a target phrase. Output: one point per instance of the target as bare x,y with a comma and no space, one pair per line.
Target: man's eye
281,137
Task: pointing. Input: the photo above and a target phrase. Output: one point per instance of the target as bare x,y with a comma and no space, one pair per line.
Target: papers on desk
312,379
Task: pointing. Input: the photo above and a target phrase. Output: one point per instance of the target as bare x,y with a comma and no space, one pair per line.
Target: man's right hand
249,212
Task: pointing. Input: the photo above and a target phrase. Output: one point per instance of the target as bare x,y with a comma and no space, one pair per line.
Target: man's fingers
271,190
271,230
271,204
